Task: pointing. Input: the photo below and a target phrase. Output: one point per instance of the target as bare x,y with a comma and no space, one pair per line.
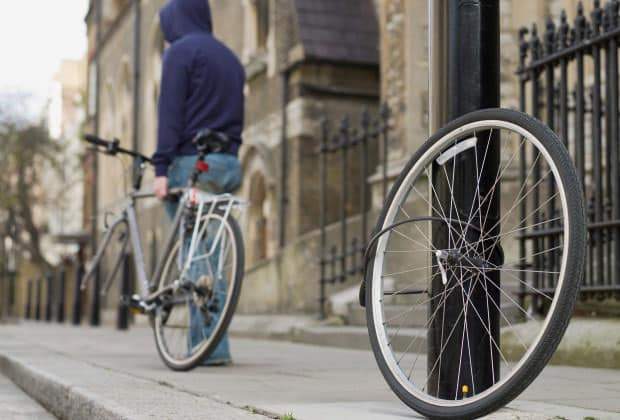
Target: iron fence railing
342,259
569,79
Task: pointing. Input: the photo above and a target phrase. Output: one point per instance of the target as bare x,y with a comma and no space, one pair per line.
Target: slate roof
339,30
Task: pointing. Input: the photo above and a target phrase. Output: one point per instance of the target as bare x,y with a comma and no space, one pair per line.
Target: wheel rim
444,149
172,330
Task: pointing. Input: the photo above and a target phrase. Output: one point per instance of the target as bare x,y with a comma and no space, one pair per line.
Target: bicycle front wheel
476,267
191,321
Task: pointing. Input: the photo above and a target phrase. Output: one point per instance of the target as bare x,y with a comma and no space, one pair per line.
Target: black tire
559,319
228,313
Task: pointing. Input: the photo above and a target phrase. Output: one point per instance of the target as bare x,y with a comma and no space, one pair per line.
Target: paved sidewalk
119,375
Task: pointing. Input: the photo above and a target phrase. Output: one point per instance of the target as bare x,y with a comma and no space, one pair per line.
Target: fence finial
523,46
535,43
580,24
550,36
563,35
615,7
597,17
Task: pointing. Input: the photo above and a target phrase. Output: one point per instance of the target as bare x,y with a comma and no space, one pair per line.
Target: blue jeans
224,175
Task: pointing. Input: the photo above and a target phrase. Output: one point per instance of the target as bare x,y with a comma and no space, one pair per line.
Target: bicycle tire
558,320
227,314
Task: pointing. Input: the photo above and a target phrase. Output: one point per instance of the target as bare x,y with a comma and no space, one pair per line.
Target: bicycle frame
206,203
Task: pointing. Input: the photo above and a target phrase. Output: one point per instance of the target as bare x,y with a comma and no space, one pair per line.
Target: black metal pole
474,80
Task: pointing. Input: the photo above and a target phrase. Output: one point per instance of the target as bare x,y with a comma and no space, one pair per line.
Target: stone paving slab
122,370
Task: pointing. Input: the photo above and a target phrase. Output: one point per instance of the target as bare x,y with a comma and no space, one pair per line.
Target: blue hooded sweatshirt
202,83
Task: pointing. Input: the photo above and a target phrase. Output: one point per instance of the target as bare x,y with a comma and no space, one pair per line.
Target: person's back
202,83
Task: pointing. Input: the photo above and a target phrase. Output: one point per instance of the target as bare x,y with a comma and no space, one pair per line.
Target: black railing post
597,142
385,139
580,36
344,194
474,82
563,39
363,148
550,48
523,49
612,78
535,52
323,150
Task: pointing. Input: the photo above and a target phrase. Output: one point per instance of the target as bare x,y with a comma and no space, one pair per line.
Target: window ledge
255,65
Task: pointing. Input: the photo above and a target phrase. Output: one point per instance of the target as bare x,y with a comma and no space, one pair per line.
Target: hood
179,18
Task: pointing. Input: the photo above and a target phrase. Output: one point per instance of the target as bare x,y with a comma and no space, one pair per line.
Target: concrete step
70,386
417,317
587,342
15,404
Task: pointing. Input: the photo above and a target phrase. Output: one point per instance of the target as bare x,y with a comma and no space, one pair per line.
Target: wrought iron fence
341,260
569,78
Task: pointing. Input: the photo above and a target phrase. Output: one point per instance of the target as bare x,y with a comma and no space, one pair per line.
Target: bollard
49,279
28,308
76,318
122,320
37,303
60,308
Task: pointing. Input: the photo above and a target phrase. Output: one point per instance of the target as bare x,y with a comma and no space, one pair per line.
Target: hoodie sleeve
172,100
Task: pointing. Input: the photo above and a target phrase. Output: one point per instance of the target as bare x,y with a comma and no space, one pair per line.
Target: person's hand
161,187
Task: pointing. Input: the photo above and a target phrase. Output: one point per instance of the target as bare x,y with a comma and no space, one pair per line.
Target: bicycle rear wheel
190,322
482,284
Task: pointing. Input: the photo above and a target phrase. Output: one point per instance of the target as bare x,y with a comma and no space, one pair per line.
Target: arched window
262,23
257,219
124,97
257,27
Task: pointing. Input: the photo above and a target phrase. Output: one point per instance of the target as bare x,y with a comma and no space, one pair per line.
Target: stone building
304,59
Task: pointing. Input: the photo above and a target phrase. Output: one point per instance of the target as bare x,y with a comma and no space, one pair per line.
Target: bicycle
193,292
459,285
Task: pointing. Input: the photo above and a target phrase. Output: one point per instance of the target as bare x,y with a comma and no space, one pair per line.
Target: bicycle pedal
135,304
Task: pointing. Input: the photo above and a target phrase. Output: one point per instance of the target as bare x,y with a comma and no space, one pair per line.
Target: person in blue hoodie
202,87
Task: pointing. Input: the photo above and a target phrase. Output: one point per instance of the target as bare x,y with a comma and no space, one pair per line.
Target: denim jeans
224,175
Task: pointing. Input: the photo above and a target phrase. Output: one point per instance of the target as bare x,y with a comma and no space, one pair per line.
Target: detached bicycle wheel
190,322
476,264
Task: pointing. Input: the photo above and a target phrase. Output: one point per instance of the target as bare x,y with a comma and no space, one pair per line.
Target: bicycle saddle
210,141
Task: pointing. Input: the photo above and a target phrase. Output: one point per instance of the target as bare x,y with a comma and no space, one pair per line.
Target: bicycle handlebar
112,147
